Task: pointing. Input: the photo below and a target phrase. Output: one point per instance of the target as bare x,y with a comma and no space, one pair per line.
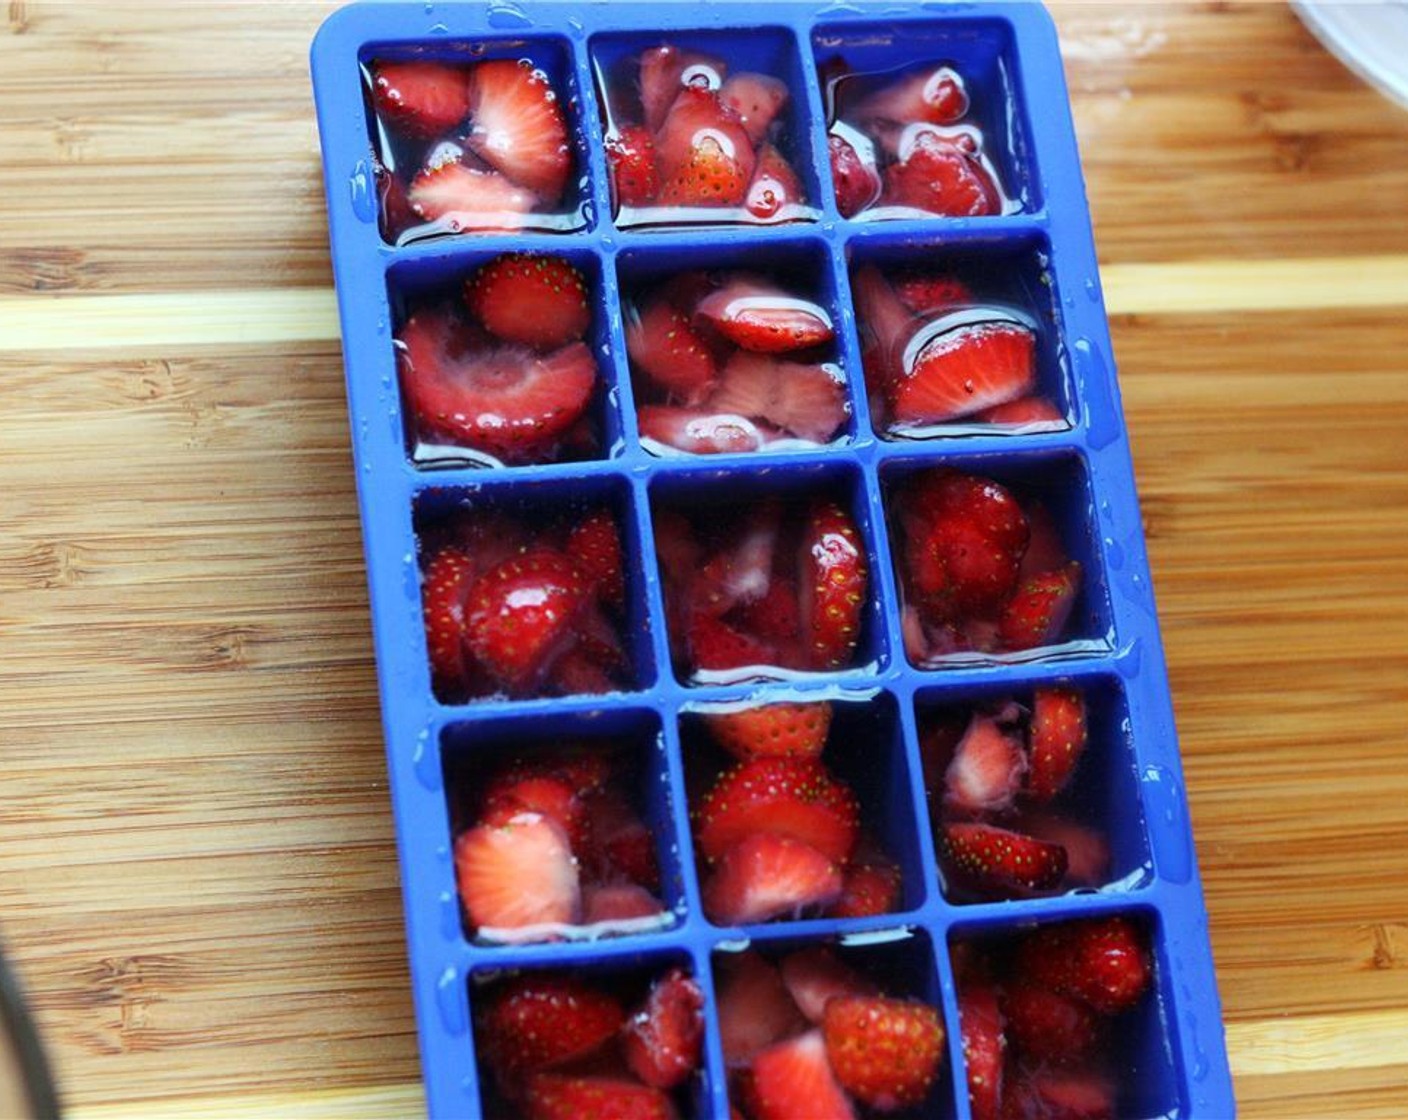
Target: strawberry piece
710,176
764,318
468,198
741,571
774,187
516,877
937,96
535,1021
808,400
754,1007
664,1037
793,1080
964,370
775,617
663,346
675,545
699,121
870,888
618,902
1038,612
536,301
984,1045
521,613
509,402
987,769
832,577
665,70
773,730
621,843
792,797
1046,1027
635,173
998,861
700,432
817,975
756,99
554,1096
768,875
575,673
1103,962
855,178
982,504
421,99
1087,853
885,1052
715,646
595,547
517,126
1058,736
888,323
535,788
448,577
926,293
1052,1095
1024,412
940,732
939,175
1045,552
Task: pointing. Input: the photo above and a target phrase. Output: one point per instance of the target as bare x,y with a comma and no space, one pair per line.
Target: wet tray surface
790,520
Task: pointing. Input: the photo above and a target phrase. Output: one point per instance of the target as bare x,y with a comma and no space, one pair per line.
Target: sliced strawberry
554,1096
1103,962
595,547
516,877
997,861
538,1020
663,1038
700,431
1052,1095
1045,551
889,324
773,730
832,577
984,1047
710,176
521,613
1038,612
775,185
940,732
421,99
618,902
926,293
449,574
536,788
759,316
757,99
982,504
793,797
937,96
870,888
939,175
1058,735
885,1052
856,181
754,1008
741,571
621,842
963,370
817,975
769,875
1048,1028
698,122
715,646
517,126
987,769
635,173
665,70
1024,412
467,198
956,569
663,346
533,300
793,1080
1087,853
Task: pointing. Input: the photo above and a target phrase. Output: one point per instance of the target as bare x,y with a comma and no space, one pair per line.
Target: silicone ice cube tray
1009,56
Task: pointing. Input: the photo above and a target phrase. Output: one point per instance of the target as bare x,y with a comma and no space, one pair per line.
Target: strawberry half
938,174
793,1080
788,796
1038,612
635,173
984,1047
595,547
664,1037
769,875
889,324
421,99
517,126
662,345
449,574
699,122
665,70
808,400
926,293
536,788
554,1096
762,317
885,1052
856,181
754,1007
710,176
817,975
986,772
775,186
832,576
532,300
535,1021
520,614
715,646
1103,962
1087,853
756,99
962,370
516,877
937,96
773,730
870,888
1058,736
1047,1028
700,431
467,198
998,861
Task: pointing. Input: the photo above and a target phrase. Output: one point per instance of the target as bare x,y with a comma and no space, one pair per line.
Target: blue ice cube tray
1174,1054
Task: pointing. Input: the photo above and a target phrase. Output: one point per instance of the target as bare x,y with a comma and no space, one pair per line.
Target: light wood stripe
49,322
382,1102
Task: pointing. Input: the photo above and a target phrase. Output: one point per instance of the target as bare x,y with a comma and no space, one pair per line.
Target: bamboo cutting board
197,873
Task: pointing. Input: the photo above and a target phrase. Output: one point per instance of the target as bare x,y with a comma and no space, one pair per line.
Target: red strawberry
888,323
664,347
575,673
936,96
539,1020
925,293
1103,962
618,902
554,1096
832,580
635,174
759,316
1045,552
793,1080
709,176
870,888
535,788
536,301
448,577
665,70
1038,612
1024,412
997,861
699,431
775,186
982,504
793,797
773,730
856,181
817,975
1049,1095
741,571
517,876
595,547
754,1009
984,1044
422,99
1087,853
517,126
885,1052
757,99
987,769
716,646
768,875
663,1038
1049,1028
807,400
940,732
775,617
699,122
1058,734
963,370
520,614
675,545
937,173
467,198
622,843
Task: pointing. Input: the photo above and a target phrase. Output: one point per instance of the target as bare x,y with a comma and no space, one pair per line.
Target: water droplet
451,998
1092,291
1114,553
507,17
450,927
1168,825
427,763
363,196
